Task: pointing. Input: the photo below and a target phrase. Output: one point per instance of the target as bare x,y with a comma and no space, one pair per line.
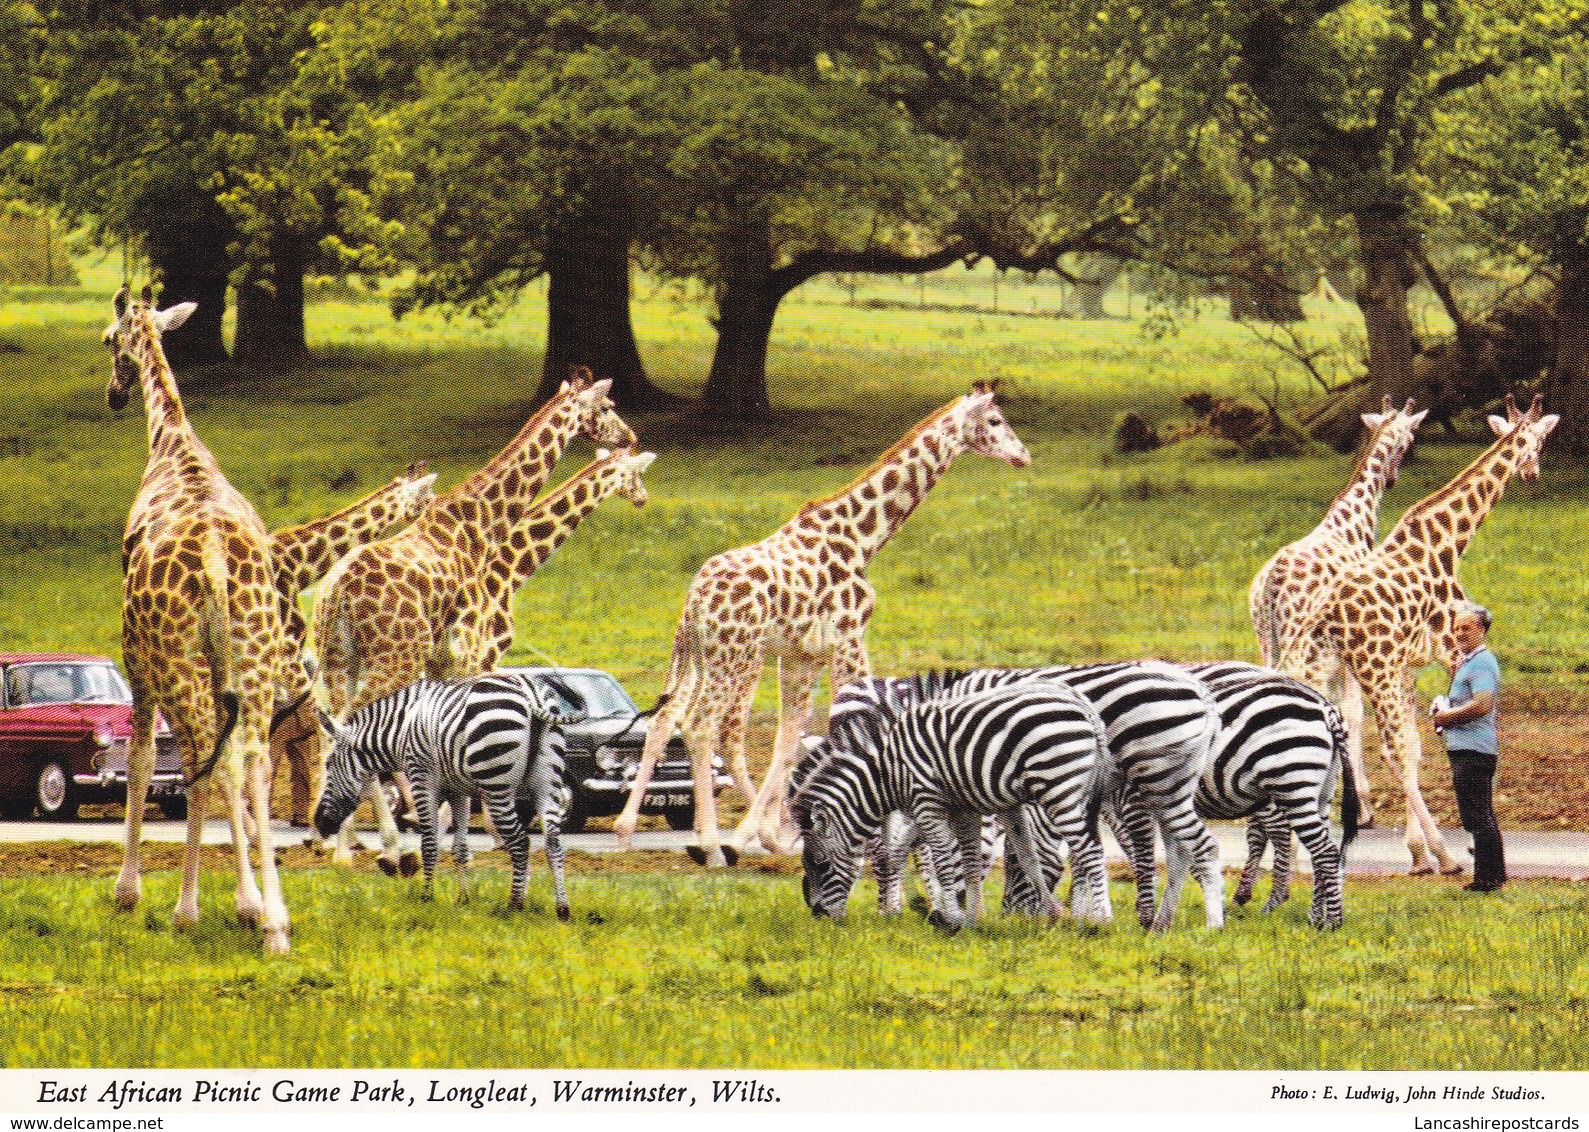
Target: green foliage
728,970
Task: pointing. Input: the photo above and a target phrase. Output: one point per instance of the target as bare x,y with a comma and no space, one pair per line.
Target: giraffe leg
657,735
731,741
768,819
1393,710
1351,702
234,787
274,921
186,913
140,768
700,739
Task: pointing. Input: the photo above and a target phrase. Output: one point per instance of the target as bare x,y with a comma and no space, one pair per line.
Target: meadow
1084,554
727,970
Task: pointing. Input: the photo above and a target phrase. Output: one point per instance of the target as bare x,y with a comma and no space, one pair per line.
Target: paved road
1377,852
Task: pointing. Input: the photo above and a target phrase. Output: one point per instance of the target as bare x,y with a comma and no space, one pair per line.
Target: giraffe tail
217,620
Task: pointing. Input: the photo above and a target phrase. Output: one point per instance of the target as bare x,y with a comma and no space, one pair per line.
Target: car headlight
104,735
610,760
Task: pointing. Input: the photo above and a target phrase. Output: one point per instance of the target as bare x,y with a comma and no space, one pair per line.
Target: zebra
1275,761
1161,723
453,738
948,762
1281,746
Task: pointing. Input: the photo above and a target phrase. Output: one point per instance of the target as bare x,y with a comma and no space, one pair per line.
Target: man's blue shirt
1480,672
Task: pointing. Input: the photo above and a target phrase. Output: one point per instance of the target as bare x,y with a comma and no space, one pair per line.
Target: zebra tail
1351,802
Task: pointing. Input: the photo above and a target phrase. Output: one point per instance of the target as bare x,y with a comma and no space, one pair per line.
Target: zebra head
838,802
339,796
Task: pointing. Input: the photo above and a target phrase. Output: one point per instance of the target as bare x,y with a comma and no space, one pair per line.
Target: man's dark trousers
1473,776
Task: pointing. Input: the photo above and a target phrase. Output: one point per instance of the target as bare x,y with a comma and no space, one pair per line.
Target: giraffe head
415,488
984,429
598,417
1391,434
137,325
1531,427
630,467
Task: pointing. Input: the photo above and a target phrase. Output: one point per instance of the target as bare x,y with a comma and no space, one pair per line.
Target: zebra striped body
484,735
947,762
1280,748
1160,724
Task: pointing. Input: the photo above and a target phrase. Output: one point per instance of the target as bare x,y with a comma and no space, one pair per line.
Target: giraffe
801,596
544,528
415,604
300,556
1391,613
202,638
1285,593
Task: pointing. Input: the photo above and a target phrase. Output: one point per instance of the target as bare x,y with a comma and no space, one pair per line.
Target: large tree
1340,95
1513,166
185,129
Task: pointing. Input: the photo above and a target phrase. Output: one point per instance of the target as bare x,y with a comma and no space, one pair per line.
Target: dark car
65,726
603,750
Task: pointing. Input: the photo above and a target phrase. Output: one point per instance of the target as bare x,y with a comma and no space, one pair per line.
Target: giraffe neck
1444,523
489,504
1353,518
877,503
548,524
168,423
302,555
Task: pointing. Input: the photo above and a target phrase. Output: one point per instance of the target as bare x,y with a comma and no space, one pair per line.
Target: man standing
1466,717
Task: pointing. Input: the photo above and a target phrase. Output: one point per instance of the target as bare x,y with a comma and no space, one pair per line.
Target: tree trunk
736,387
270,311
1567,380
189,256
587,317
1388,277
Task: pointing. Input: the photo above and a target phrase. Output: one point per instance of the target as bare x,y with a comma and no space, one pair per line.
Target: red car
65,725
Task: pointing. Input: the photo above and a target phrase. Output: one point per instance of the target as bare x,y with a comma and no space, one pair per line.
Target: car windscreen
592,694
65,683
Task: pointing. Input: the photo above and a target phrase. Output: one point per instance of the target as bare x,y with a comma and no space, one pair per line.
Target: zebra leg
943,854
1089,895
890,853
1328,910
967,826
1279,835
392,859
505,819
1018,843
459,801
1132,826
1257,842
425,806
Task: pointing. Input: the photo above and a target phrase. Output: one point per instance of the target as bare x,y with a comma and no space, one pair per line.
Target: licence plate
673,801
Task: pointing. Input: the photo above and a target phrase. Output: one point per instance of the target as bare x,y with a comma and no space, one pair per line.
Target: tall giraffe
1391,613
801,596
201,632
300,556
414,604
1286,593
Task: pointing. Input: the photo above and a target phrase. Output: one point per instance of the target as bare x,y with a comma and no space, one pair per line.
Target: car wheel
53,793
680,820
174,807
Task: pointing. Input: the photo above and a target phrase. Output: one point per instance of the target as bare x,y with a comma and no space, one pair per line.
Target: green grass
728,970
1084,554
